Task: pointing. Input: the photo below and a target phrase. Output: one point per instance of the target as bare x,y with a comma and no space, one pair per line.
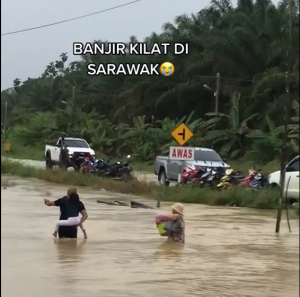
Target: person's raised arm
52,203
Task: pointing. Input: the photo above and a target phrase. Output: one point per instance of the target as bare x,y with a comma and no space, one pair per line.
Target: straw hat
178,207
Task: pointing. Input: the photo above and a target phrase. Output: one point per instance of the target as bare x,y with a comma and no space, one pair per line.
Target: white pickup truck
78,150
291,177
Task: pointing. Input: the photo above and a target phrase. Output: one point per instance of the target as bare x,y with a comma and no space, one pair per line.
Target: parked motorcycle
246,182
211,178
255,180
118,170
191,174
230,178
89,164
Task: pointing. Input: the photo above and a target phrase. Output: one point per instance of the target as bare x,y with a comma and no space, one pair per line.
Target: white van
292,173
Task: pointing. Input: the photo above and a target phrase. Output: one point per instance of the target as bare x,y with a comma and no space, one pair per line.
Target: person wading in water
73,204
177,216
67,231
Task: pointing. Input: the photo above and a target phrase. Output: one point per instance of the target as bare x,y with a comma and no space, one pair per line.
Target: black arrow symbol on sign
182,134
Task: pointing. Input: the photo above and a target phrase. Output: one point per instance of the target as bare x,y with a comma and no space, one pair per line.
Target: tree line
247,44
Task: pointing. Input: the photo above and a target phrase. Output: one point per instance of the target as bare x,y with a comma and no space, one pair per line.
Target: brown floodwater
228,251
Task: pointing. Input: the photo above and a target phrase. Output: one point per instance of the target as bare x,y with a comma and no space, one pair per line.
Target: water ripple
229,251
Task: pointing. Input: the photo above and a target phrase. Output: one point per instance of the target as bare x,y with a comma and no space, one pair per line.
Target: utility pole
217,93
286,113
73,96
5,121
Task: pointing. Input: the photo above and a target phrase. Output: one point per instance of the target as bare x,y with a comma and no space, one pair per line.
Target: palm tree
247,44
230,141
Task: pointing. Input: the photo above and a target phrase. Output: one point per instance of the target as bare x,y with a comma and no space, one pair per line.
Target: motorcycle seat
239,176
236,173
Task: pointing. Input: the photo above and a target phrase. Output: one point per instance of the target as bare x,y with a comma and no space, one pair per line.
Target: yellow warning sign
182,134
7,146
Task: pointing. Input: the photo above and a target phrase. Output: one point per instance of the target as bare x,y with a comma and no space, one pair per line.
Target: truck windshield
76,143
207,156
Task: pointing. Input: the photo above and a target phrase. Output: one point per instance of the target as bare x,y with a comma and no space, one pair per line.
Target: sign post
7,147
182,134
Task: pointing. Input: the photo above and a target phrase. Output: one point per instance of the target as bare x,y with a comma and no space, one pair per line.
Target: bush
237,196
264,150
19,151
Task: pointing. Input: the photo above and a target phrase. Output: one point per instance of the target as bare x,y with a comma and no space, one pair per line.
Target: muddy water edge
228,251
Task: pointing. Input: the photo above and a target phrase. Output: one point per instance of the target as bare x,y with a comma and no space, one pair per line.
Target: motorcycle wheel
126,176
205,185
63,167
213,187
76,169
225,186
83,171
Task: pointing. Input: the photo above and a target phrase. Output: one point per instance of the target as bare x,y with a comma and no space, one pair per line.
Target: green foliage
247,44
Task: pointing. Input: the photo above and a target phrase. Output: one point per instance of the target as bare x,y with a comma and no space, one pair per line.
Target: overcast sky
27,54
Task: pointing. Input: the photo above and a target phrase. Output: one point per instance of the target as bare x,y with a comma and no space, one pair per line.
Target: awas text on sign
182,153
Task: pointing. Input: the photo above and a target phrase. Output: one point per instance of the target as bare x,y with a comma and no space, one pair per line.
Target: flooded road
229,251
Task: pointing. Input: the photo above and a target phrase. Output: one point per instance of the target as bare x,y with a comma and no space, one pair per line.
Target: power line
70,20
227,78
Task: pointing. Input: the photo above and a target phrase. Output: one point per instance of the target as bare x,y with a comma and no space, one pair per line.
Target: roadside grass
74,178
19,151
143,167
236,196
264,199
7,183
